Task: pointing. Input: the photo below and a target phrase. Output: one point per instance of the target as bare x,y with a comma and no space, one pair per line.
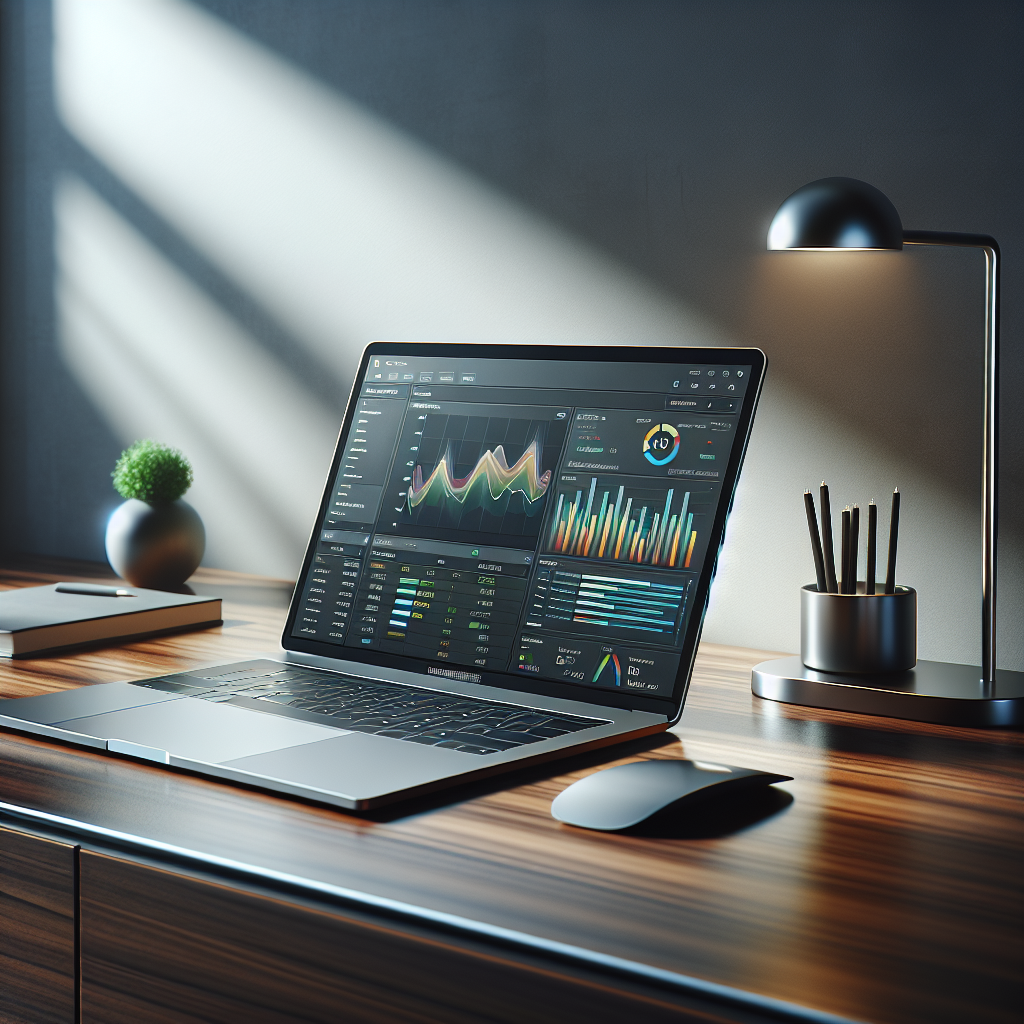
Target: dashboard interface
548,519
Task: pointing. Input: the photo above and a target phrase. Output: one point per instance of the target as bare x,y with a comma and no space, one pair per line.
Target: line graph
486,474
490,484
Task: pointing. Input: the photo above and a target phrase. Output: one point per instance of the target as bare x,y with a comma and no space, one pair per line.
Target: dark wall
668,133
56,452
663,133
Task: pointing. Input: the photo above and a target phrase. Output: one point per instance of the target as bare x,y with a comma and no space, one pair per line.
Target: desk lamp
834,214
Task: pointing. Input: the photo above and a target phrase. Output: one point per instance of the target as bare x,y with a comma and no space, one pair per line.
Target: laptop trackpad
359,766
200,730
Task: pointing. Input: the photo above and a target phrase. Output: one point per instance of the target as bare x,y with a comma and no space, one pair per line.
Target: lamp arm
990,437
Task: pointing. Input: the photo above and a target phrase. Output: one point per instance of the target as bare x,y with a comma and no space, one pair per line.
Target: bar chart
608,605
627,520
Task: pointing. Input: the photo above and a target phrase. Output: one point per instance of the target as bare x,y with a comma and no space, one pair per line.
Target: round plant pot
155,546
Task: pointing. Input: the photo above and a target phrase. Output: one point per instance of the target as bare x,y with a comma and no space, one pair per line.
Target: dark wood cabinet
166,946
37,937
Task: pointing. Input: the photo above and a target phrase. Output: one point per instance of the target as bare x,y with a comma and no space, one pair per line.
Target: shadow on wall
667,134
309,214
230,232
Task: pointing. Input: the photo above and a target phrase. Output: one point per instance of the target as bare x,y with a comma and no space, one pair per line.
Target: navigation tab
698,403
387,390
345,537
446,549
343,542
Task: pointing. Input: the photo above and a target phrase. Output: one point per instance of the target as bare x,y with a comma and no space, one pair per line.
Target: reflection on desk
882,886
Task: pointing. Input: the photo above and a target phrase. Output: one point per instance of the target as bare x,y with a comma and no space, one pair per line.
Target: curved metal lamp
836,213
833,214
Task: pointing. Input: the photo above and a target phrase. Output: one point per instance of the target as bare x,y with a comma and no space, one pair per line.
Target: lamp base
933,691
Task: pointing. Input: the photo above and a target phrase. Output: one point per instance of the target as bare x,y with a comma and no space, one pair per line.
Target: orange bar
689,549
581,539
569,527
618,542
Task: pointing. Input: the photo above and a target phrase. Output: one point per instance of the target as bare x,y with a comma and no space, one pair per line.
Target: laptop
510,563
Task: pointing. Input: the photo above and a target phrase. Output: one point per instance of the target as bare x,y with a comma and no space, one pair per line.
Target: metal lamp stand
933,691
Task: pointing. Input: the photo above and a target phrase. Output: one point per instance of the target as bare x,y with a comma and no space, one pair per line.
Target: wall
211,206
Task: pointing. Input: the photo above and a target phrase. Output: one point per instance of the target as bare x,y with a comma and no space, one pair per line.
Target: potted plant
154,539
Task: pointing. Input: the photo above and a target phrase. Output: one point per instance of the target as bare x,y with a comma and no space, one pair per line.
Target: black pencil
854,547
869,570
894,530
812,525
844,553
827,543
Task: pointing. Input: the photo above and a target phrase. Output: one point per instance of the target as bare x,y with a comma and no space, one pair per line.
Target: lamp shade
836,213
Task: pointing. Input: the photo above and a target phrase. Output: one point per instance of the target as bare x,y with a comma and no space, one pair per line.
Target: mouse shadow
716,817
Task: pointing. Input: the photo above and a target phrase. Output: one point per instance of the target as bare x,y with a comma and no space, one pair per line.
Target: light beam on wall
161,360
344,230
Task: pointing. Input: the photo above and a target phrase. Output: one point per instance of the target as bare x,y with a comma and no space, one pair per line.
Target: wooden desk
886,888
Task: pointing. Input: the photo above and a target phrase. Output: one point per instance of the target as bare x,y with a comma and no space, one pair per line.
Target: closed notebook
34,620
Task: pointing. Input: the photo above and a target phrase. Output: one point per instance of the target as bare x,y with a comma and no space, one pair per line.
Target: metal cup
859,633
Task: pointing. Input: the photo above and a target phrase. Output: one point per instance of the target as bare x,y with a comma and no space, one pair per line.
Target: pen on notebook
869,569
827,543
844,553
854,547
91,590
894,530
812,525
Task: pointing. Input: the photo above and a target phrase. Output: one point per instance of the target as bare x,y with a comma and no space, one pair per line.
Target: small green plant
152,472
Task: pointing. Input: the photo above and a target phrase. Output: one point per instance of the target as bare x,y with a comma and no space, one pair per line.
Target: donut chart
661,445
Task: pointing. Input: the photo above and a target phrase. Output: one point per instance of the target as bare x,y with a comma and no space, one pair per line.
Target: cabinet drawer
37,929
161,946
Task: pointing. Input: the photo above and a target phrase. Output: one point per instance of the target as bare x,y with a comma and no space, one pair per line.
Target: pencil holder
858,633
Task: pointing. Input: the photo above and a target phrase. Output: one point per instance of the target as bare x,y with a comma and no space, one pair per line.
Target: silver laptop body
511,562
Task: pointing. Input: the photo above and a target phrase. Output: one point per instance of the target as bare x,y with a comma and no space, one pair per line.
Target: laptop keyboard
384,709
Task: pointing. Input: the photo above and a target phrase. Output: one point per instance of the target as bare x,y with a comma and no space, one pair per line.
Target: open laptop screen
546,514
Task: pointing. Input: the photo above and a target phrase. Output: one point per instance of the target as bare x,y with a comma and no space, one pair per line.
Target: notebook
511,562
41,620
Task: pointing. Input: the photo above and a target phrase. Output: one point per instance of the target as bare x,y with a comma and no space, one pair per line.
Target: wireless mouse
617,798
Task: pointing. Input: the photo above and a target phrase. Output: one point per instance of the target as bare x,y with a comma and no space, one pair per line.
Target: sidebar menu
329,589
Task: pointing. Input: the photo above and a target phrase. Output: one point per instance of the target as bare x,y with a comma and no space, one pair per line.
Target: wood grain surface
37,930
883,883
165,947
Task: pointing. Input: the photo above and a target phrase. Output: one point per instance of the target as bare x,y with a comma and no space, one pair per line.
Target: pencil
812,525
894,531
854,547
844,553
827,543
869,570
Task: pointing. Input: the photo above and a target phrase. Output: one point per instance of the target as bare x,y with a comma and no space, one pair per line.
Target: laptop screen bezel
670,706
